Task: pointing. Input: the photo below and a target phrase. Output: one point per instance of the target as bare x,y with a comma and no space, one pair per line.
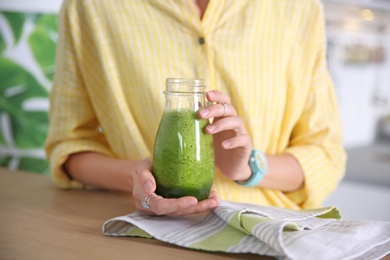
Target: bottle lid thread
184,86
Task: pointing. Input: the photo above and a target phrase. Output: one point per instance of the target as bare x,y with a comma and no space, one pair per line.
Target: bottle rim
196,82
183,86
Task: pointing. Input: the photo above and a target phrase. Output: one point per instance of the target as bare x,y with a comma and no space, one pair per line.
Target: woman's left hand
232,143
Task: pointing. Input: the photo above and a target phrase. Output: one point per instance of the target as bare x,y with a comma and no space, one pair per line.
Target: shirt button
201,40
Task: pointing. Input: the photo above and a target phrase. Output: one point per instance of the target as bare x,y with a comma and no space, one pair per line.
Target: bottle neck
185,94
185,86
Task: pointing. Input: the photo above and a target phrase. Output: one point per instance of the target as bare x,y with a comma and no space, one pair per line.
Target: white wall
31,6
358,201
363,90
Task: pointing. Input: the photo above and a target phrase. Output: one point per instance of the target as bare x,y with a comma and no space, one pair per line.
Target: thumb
148,182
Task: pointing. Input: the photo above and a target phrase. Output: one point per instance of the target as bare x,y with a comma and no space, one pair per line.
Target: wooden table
40,221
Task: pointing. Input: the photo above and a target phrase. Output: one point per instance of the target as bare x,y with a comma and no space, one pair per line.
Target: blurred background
358,56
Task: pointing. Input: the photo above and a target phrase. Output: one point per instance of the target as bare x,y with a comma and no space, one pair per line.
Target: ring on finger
147,199
224,108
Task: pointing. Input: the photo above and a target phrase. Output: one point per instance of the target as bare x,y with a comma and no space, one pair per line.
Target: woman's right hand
144,185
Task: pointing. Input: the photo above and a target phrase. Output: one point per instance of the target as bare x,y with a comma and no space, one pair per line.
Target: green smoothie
183,160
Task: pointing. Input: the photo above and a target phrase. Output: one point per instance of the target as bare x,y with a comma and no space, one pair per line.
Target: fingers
223,109
145,186
163,206
181,206
202,206
233,123
218,96
226,119
145,179
236,141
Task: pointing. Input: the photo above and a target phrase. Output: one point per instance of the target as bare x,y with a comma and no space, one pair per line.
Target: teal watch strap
259,166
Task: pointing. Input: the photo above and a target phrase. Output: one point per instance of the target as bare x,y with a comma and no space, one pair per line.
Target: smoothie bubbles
183,160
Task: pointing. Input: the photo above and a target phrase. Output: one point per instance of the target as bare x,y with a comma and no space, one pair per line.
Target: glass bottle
183,160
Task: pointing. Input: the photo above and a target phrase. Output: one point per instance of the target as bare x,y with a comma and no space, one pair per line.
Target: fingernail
204,112
210,128
211,94
192,202
212,205
226,144
148,186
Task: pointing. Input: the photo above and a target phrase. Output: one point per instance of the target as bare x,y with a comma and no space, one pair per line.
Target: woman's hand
232,143
144,185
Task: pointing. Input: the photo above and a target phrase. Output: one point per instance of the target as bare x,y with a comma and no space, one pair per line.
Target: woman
263,60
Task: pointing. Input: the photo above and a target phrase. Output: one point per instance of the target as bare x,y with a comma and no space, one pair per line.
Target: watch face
260,161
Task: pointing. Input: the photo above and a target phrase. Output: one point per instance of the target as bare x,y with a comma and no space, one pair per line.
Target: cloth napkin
277,232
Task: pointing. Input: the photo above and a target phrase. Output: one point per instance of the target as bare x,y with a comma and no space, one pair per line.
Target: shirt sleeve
73,123
316,140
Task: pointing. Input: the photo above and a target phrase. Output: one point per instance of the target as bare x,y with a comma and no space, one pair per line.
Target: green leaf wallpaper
27,47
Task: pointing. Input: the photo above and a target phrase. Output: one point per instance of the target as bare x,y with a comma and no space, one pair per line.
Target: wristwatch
259,166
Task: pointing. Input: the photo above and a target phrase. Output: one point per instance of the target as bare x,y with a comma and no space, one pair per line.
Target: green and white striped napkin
248,228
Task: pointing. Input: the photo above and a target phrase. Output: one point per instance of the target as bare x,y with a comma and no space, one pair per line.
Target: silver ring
224,108
147,199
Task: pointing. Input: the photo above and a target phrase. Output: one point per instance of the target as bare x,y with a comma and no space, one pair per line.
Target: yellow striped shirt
269,56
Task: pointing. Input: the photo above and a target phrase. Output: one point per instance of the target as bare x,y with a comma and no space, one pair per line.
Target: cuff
320,176
61,153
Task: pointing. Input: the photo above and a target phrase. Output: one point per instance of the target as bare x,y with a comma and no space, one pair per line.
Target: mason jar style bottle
183,160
